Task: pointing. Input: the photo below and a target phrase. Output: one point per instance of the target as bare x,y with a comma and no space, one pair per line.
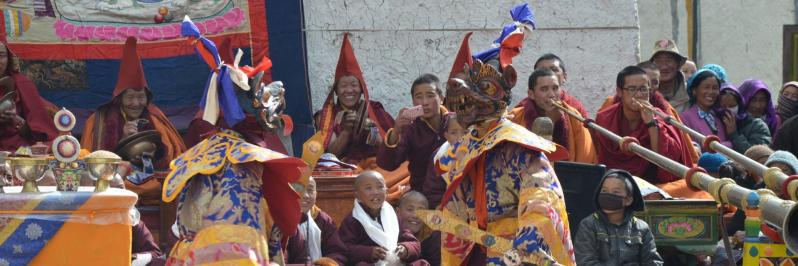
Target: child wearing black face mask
612,235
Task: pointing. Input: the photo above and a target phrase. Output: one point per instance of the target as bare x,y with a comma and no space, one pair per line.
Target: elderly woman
788,101
743,130
25,117
351,130
703,88
130,111
758,104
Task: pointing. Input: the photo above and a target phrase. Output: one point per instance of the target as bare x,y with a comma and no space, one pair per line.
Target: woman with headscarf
788,101
703,88
743,130
26,117
758,104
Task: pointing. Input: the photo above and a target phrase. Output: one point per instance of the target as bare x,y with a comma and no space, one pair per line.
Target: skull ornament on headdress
236,91
481,91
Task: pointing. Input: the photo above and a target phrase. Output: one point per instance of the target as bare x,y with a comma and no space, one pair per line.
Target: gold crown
480,71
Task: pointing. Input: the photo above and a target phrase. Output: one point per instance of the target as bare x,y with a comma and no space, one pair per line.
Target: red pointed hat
131,72
348,65
463,57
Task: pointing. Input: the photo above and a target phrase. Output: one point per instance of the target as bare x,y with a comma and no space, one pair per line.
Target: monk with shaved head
430,240
317,239
372,232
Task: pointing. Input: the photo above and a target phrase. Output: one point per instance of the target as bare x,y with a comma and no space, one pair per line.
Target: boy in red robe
430,240
372,232
316,239
29,117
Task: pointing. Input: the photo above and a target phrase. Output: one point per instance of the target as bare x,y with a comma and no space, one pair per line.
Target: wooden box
689,225
335,195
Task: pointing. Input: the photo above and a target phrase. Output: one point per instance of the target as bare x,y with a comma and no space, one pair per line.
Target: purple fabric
691,119
751,87
729,88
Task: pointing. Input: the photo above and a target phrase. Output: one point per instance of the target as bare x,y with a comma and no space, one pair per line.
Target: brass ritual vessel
102,166
29,170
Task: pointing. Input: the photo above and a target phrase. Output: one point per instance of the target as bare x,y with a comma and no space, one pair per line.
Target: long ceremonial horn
777,212
775,179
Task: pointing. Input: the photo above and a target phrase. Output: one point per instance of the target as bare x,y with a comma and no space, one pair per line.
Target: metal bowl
102,166
134,146
29,170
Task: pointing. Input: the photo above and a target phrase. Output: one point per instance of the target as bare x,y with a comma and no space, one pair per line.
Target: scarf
386,234
710,119
786,108
748,89
314,240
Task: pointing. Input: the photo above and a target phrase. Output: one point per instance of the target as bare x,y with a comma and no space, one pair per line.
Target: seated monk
657,100
568,132
316,240
131,110
372,232
343,113
352,127
556,65
25,117
628,118
430,240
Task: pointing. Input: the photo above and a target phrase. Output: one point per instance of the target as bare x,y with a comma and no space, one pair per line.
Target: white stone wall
395,41
743,36
662,19
746,38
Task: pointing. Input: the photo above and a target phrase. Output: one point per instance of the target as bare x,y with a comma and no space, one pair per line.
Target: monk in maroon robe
143,245
343,110
628,118
372,232
326,243
430,240
413,139
29,117
131,110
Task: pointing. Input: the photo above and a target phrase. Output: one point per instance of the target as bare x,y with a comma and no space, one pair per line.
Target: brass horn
779,213
775,179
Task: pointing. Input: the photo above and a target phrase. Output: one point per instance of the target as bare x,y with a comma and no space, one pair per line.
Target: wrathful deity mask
265,102
480,93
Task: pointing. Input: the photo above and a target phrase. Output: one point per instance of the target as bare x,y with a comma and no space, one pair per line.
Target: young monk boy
430,240
434,185
372,233
317,239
